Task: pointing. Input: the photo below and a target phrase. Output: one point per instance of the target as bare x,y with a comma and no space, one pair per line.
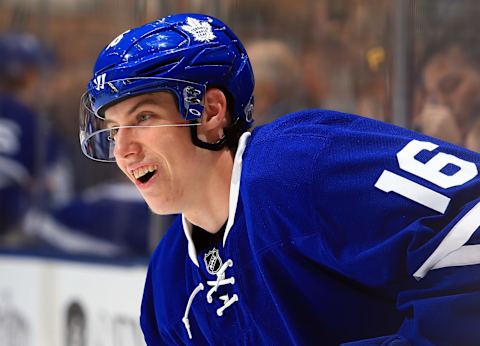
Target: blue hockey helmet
20,52
184,54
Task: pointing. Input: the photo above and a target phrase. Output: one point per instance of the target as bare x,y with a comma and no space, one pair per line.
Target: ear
215,116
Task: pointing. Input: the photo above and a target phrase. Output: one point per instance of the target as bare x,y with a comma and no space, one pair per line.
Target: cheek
461,104
177,149
471,91
122,168
465,96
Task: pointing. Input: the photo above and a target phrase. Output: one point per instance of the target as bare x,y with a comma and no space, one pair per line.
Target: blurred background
75,236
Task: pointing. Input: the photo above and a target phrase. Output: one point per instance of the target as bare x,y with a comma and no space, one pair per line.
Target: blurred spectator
33,166
328,75
370,84
277,79
451,82
345,61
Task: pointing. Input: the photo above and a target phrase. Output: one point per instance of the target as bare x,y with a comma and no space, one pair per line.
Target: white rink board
38,298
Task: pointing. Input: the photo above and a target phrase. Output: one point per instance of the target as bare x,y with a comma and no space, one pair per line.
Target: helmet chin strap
219,144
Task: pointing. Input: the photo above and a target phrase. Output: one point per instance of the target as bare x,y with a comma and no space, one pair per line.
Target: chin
161,208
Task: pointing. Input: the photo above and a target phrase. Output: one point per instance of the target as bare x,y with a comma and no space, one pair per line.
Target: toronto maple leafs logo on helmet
213,262
201,30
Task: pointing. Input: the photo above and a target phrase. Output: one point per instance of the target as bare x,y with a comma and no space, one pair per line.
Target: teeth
140,172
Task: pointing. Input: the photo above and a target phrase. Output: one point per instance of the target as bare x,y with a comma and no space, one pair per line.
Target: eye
449,84
142,117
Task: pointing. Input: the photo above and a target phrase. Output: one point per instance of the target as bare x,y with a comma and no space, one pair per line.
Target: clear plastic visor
98,136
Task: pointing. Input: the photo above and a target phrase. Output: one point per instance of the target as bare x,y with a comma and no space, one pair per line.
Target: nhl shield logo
213,262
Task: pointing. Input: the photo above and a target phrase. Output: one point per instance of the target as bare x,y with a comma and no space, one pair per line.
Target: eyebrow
147,101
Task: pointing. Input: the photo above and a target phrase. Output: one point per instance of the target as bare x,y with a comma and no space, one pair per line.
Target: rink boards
57,302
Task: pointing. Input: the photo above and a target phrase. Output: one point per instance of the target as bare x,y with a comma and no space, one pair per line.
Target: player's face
451,80
160,161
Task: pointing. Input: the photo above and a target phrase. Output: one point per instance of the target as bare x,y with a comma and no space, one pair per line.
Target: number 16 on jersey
430,171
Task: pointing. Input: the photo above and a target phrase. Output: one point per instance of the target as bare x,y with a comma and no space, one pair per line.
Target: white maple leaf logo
201,30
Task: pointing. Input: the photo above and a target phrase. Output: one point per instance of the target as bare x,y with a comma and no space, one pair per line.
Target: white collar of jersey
233,199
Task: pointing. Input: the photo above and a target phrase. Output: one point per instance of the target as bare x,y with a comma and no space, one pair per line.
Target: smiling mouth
146,177
144,174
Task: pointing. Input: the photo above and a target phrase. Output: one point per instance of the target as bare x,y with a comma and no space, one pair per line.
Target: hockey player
319,228
37,206
33,164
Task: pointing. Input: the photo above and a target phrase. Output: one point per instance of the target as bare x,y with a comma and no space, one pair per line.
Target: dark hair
234,131
438,36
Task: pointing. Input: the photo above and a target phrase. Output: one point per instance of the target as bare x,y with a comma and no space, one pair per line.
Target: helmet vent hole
99,72
158,70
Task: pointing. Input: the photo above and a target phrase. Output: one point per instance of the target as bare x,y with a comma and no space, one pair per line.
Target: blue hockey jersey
341,229
17,159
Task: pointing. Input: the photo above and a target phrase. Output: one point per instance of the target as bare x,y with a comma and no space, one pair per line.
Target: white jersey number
9,137
430,171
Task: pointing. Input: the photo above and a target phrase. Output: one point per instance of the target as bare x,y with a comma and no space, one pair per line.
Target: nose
126,143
